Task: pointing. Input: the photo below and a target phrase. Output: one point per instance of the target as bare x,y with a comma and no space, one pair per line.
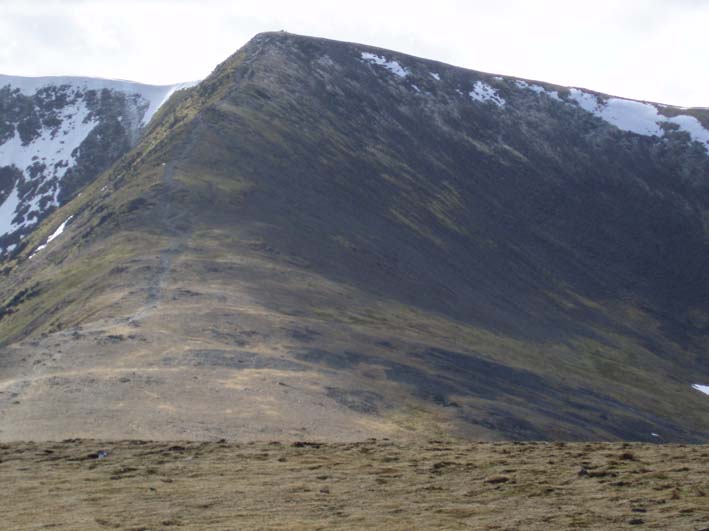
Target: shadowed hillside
330,240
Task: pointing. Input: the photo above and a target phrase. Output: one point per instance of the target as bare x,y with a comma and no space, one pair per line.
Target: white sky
656,50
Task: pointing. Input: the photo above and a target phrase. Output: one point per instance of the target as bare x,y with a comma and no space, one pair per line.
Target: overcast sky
656,50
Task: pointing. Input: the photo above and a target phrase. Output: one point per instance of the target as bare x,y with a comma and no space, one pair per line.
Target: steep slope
59,133
330,240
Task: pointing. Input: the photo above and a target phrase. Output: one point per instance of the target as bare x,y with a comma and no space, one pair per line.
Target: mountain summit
330,240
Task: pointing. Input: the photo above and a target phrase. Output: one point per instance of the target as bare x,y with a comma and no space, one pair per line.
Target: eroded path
175,224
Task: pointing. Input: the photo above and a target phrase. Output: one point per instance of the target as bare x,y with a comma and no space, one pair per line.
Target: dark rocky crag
56,135
329,239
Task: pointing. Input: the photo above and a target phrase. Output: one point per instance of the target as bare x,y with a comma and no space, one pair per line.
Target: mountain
335,241
59,133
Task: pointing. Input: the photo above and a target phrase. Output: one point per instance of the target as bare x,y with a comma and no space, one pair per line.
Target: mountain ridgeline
329,240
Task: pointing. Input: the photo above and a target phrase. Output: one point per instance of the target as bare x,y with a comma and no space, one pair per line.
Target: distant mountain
59,133
329,240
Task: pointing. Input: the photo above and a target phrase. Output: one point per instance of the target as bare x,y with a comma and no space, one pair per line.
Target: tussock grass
374,484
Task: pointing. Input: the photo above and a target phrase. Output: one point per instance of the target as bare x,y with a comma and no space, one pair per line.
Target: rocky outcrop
58,134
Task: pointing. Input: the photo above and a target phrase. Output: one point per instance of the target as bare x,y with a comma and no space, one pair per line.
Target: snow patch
701,388
638,117
52,236
7,211
159,97
60,230
538,89
691,125
627,115
435,76
393,66
48,157
156,95
483,92
53,149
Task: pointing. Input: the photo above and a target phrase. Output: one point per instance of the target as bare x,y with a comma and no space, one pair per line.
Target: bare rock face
330,240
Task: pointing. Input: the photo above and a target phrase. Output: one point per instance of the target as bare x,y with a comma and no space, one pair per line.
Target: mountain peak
346,241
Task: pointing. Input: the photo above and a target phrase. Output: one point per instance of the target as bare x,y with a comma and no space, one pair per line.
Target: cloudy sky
646,49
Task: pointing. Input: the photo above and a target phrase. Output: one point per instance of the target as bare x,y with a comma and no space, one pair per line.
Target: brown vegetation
366,485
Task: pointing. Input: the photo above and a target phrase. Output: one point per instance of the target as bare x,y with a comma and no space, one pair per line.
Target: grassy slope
429,295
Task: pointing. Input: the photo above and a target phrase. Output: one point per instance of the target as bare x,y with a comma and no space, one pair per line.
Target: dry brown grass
368,485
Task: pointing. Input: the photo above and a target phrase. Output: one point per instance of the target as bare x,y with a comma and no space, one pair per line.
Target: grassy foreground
366,485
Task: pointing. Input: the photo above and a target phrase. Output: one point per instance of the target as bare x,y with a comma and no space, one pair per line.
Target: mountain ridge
331,242
371,47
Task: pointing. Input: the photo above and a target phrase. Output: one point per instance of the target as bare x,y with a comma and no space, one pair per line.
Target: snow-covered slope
57,134
639,117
